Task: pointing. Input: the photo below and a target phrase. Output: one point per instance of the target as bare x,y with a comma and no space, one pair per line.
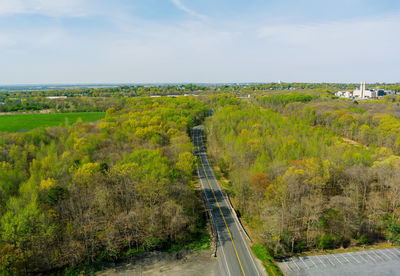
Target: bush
299,246
326,242
12,260
221,165
262,254
363,239
153,244
393,232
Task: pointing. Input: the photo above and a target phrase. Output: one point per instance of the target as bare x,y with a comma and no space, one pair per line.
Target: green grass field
23,122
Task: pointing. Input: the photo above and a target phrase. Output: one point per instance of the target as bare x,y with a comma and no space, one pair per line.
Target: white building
56,97
339,94
344,94
348,94
363,93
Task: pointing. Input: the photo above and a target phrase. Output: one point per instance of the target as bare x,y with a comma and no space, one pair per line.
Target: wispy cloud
139,48
53,8
183,7
365,31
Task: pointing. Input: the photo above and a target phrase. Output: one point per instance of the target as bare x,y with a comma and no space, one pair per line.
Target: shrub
326,242
363,239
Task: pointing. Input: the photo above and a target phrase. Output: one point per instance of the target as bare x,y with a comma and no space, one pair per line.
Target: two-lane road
234,255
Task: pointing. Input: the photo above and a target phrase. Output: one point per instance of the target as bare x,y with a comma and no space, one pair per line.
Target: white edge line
326,257
312,261
226,203
320,260
295,263
380,257
341,255
304,263
223,252
203,190
381,251
351,255
289,268
347,260
362,257
388,256
337,259
369,256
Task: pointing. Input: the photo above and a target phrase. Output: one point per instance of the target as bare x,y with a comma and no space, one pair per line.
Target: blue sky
141,41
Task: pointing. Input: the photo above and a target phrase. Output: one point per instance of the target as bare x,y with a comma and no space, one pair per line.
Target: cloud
53,8
369,38
183,7
356,32
346,50
137,49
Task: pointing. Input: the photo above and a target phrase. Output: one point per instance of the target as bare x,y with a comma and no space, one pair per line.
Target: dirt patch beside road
162,263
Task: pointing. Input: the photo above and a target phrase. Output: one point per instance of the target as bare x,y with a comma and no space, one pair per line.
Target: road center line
223,217
244,242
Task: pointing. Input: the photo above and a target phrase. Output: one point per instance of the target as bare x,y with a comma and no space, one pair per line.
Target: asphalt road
233,253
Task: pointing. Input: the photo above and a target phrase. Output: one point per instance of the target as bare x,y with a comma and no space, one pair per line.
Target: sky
200,41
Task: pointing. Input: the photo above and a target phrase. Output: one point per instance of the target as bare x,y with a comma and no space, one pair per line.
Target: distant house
56,97
344,94
339,94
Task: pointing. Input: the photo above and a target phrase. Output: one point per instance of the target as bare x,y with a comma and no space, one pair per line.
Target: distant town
363,94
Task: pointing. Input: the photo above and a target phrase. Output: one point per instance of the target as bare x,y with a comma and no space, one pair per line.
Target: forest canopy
90,192
309,172
305,170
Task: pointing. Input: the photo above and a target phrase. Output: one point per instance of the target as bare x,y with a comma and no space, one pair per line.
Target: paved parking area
370,262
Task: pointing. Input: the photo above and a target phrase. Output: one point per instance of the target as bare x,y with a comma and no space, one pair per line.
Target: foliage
284,99
393,232
297,181
363,239
262,254
326,242
88,193
12,259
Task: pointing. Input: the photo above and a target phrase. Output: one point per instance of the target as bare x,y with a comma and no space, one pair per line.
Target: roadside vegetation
263,255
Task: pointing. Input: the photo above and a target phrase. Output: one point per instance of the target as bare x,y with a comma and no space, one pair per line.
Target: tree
186,163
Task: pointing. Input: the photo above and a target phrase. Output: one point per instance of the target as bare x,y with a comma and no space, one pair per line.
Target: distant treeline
71,104
180,89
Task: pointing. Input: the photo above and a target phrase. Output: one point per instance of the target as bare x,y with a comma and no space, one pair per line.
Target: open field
23,122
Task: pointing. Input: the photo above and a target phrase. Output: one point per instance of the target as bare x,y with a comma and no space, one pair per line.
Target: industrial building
361,94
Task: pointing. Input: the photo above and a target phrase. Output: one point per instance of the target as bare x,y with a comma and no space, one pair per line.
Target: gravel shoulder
162,263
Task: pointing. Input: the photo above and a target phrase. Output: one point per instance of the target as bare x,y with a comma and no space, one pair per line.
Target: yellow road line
223,217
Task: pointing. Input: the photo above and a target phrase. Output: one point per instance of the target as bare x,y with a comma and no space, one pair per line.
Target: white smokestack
363,90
